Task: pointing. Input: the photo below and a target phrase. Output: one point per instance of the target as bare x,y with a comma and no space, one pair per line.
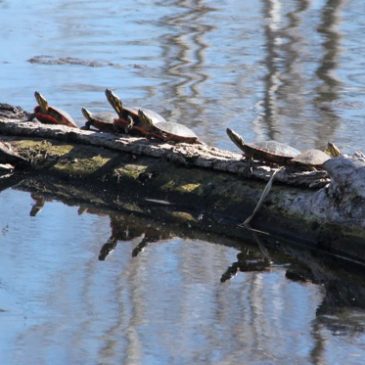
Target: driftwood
324,209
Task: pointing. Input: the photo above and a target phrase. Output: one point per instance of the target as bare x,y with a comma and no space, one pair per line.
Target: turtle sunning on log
127,117
267,151
285,155
167,131
48,114
101,121
148,123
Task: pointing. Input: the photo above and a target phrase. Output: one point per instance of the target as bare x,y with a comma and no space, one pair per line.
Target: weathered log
9,156
184,154
214,184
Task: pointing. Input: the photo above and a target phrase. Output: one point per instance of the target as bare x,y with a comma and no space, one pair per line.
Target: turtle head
86,113
41,101
235,138
145,121
332,150
114,101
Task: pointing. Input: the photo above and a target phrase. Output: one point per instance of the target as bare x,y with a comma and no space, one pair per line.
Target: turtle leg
31,116
87,126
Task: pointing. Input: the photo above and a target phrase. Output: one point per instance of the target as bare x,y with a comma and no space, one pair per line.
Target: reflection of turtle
51,115
167,131
101,121
267,151
39,201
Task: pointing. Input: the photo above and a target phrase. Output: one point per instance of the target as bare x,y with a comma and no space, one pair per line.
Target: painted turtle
267,151
51,115
333,150
101,121
128,118
314,158
309,159
167,131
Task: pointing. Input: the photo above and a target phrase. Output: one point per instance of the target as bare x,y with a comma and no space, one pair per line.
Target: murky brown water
288,70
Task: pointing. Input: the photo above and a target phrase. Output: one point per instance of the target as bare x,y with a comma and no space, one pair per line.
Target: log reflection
264,294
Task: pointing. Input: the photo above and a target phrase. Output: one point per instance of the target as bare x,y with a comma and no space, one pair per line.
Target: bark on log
214,184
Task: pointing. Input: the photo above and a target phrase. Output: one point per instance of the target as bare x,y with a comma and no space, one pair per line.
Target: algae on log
203,180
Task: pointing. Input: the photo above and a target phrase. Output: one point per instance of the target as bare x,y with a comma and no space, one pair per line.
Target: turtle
314,158
266,151
49,114
167,131
128,118
308,159
101,121
333,150
148,123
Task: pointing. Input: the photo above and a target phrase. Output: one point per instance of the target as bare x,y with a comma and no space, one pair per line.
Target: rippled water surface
286,70
164,304
292,70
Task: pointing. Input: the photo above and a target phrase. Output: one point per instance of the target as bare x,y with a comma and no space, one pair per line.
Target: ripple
50,60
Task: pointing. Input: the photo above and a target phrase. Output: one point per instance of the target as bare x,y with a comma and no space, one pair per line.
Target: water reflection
39,201
124,228
278,301
343,287
327,91
287,84
184,53
248,260
208,65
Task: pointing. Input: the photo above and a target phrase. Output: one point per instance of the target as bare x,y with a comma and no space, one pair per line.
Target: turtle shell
270,150
312,157
154,116
103,121
133,112
54,116
176,131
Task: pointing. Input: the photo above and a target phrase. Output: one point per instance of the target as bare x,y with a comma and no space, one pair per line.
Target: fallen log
322,209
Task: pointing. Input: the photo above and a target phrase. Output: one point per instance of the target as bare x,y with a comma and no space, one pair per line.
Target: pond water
65,298
287,70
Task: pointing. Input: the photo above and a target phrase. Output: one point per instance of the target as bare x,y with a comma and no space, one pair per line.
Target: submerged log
323,209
